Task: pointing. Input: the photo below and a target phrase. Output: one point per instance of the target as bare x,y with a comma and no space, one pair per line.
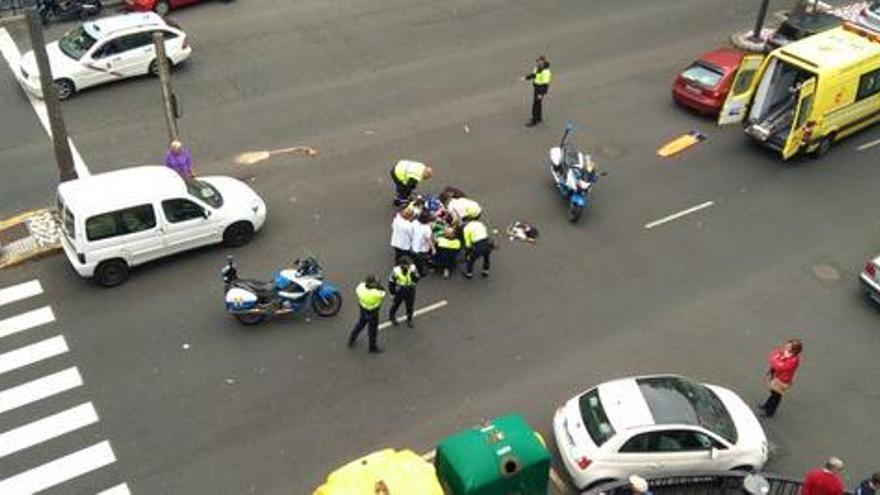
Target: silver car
870,16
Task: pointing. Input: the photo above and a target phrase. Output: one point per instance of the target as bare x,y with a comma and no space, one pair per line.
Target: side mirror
206,213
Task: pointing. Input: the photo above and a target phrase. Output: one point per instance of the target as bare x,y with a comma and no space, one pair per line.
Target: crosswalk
48,428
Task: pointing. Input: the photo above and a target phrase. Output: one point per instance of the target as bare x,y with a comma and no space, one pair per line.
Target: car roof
818,21
122,188
835,48
724,58
624,404
105,26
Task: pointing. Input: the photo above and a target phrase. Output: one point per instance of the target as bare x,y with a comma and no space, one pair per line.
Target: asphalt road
194,403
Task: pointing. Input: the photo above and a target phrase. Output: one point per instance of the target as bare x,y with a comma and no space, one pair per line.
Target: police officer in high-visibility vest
464,210
407,174
478,245
402,284
540,77
370,294
446,248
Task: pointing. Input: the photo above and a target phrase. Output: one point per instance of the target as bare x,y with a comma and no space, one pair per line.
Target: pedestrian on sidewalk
477,245
423,241
825,480
402,285
402,233
540,77
869,486
783,363
370,294
179,159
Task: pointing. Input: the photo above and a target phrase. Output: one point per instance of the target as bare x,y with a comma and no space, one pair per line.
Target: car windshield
205,192
675,400
703,74
76,43
595,420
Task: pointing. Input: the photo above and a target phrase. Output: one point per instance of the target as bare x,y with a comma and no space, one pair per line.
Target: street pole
165,83
759,23
63,156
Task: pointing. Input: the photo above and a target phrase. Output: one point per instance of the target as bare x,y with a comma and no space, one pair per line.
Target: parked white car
116,220
656,425
870,278
103,51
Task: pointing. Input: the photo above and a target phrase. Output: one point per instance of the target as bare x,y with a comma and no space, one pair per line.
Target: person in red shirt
783,362
824,481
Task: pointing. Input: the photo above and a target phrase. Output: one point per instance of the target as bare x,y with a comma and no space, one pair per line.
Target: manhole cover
826,273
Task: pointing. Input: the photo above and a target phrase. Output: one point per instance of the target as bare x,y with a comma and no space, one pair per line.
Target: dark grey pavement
194,403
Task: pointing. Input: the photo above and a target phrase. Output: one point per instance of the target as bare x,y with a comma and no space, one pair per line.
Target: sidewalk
28,236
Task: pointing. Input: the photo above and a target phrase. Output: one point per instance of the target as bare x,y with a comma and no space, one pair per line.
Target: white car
113,221
656,425
870,278
103,51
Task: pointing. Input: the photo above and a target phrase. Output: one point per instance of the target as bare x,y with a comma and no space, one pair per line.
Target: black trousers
538,104
402,190
400,253
369,318
405,295
772,403
445,258
481,249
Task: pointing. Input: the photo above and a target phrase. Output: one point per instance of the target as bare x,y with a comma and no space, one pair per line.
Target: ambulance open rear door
740,95
801,126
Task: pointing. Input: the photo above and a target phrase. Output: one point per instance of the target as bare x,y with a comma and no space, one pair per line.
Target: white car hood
237,196
750,433
61,64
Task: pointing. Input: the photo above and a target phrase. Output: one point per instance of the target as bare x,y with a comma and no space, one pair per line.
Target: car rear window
703,75
595,420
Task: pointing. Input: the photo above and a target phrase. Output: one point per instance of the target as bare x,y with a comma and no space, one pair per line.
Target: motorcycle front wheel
328,305
574,213
249,318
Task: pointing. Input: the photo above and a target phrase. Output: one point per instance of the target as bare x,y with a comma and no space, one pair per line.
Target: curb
32,234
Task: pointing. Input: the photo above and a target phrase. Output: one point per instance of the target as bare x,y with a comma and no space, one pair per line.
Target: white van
116,220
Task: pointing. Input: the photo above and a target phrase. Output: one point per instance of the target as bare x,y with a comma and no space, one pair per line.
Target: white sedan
655,425
103,51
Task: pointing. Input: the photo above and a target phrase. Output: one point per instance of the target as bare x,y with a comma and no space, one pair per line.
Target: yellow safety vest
468,207
403,279
406,170
474,232
542,77
444,242
369,299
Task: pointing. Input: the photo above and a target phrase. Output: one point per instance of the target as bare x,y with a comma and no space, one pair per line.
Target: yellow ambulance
806,95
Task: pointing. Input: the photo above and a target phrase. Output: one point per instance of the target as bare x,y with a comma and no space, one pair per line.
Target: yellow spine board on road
386,472
680,144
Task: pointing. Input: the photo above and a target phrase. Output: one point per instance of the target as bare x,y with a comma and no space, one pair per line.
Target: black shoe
393,320
377,350
485,273
468,274
531,123
761,406
410,324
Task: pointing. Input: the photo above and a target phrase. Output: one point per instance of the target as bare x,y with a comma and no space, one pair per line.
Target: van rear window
120,222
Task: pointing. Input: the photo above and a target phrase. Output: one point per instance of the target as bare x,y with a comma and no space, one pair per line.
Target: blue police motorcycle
574,174
291,290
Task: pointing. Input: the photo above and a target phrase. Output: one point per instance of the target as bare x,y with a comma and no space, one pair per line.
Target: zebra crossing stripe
60,470
20,291
26,321
40,388
32,353
47,428
121,489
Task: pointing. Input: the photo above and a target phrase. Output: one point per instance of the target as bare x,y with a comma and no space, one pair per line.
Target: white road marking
47,428
20,291
680,214
10,53
40,388
26,321
557,481
60,470
121,489
30,354
418,312
869,144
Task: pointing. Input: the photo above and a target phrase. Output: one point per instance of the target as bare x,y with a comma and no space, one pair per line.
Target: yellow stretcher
680,144
386,472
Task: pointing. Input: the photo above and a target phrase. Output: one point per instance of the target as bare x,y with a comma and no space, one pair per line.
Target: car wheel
162,8
574,213
824,146
153,69
111,273
238,234
64,88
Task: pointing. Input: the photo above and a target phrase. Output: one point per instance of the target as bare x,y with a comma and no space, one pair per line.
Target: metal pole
63,157
165,83
759,23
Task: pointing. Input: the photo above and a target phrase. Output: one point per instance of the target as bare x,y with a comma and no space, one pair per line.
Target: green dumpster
502,457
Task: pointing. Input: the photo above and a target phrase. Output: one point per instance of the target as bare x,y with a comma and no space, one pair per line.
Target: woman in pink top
783,362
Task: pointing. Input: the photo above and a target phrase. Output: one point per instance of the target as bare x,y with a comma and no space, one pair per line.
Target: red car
161,7
703,86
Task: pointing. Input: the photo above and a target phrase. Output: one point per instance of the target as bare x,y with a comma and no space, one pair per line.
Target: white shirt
402,233
421,237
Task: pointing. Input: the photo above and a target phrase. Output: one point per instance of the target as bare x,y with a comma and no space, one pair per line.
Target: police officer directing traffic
407,174
540,77
402,284
370,294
